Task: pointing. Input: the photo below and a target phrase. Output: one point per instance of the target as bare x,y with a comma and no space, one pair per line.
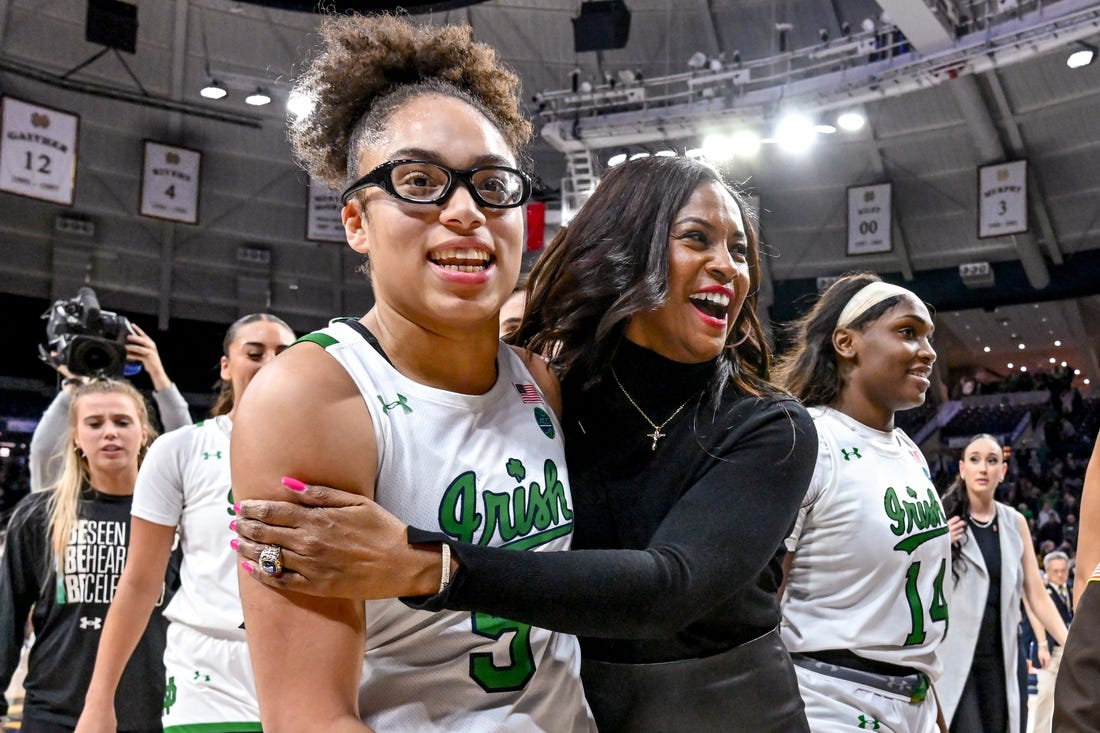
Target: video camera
89,341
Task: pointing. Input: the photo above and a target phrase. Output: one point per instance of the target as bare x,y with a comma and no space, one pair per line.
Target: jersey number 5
936,612
521,667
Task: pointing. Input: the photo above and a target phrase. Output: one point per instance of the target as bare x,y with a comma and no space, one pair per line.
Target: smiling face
438,266
253,346
109,432
887,364
982,467
708,280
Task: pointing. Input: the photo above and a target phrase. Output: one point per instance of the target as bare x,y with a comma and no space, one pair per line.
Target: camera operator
50,437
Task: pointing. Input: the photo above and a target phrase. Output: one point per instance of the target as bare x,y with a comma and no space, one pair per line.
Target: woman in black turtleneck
687,469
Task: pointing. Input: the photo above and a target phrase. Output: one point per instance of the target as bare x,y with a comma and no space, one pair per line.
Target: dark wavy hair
612,262
368,66
810,370
956,503
224,399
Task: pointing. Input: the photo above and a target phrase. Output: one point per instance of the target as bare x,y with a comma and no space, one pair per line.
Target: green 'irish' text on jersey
487,469
871,550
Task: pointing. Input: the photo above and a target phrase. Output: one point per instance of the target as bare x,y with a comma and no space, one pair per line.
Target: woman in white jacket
993,567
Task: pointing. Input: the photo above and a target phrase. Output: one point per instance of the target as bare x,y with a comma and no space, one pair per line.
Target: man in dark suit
1056,566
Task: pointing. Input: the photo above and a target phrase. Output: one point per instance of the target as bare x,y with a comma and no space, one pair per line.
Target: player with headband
863,605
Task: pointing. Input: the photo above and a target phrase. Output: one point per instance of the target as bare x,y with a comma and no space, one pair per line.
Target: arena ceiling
933,118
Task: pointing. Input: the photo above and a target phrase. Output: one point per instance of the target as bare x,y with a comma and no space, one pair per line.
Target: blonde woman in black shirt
66,548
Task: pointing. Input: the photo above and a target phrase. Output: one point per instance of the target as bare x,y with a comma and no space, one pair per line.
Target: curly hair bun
362,59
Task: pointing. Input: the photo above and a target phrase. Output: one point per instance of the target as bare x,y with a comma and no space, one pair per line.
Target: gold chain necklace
656,434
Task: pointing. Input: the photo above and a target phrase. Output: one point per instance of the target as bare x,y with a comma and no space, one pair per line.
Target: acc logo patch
546,425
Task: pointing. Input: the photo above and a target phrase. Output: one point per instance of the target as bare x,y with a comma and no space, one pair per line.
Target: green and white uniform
487,469
871,556
184,482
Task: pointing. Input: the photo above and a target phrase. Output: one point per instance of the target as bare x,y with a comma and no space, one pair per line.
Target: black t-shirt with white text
67,611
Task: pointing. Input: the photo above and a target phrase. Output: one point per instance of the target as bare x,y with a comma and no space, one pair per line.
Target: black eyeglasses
423,182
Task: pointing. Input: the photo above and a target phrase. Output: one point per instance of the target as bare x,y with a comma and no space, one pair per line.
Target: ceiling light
795,133
299,105
628,76
665,153
1057,343
639,156
1022,347
824,129
1052,360
258,98
1023,368
745,143
851,121
1083,56
1009,365
1087,381
1076,372
616,159
1064,365
213,89
986,349
717,148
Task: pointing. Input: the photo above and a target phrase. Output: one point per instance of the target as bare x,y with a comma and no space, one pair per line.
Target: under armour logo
207,455
402,402
849,454
865,724
91,623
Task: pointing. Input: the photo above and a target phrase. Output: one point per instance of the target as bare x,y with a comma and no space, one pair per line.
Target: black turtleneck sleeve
676,551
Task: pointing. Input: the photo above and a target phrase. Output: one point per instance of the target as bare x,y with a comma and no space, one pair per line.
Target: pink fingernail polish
294,484
235,543
233,525
237,508
248,567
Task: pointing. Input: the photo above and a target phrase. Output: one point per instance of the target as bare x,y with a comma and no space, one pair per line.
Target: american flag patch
528,393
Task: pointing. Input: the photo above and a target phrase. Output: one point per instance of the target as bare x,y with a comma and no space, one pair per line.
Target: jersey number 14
937,611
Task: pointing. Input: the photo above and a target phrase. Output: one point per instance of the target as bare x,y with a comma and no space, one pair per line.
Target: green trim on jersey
244,727
321,339
541,538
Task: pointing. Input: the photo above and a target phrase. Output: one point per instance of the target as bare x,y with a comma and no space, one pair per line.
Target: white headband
867,297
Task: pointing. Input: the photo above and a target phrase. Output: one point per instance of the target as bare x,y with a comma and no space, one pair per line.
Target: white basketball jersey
871,550
487,469
184,481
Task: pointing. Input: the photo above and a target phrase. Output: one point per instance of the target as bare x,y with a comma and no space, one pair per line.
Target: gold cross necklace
656,434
